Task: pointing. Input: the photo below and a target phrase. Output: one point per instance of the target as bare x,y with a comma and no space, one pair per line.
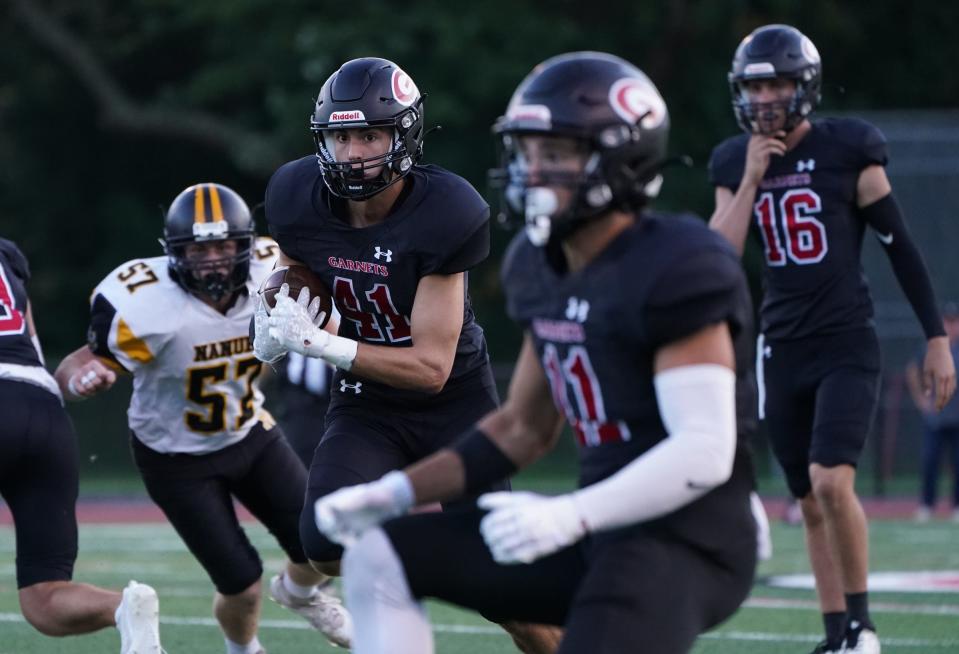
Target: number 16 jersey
805,214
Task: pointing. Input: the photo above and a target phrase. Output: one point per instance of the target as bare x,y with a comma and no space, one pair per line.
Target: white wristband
401,489
339,352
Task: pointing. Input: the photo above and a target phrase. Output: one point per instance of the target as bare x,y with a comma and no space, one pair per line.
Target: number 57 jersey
195,387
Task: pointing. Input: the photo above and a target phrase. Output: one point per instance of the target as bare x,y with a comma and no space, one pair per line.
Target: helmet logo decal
351,116
215,230
538,113
809,50
634,101
404,90
762,68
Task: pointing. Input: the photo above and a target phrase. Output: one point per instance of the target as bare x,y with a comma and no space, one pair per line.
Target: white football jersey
195,386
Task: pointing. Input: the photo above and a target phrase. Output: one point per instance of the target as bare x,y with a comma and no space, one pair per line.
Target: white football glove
522,527
345,514
265,348
295,326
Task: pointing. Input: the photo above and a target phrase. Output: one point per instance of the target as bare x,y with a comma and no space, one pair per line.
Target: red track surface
100,511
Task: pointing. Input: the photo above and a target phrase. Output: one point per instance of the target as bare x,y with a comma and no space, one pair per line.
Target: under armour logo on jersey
577,309
803,166
357,388
388,255
767,351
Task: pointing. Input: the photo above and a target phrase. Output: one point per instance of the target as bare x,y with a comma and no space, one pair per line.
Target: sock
857,605
252,647
296,590
835,624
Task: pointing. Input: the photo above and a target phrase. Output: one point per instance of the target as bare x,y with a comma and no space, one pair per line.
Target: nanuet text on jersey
217,349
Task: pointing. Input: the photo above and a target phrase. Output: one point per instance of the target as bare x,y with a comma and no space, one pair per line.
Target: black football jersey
597,330
805,213
15,344
439,226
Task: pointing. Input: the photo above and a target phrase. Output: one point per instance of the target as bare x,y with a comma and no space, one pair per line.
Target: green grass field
773,620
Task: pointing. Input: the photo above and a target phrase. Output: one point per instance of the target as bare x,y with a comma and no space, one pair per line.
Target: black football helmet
776,51
368,92
208,212
617,113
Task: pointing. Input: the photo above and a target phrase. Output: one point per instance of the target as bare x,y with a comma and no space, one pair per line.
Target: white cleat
861,640
324,611
138,620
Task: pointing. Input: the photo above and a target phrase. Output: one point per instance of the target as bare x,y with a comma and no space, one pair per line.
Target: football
297,277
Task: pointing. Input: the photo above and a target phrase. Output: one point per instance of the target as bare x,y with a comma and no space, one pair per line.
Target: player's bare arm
436,322
82,374
517,433
733,212
874,198
524,428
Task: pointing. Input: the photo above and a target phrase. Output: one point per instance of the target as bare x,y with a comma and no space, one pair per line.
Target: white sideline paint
484,630
917,581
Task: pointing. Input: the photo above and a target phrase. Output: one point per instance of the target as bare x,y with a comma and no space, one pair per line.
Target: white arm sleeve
697,404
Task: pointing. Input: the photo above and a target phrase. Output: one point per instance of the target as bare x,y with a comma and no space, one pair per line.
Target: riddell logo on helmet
347,116
533,113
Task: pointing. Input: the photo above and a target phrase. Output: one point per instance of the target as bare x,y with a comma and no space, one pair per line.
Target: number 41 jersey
195,386
597,330
805,213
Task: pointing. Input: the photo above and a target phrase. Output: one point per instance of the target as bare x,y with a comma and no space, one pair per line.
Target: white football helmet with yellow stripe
194,374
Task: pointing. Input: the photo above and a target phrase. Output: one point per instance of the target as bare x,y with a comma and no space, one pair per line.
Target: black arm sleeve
885,217
483,462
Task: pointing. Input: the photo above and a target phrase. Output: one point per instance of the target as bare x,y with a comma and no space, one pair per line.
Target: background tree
109,108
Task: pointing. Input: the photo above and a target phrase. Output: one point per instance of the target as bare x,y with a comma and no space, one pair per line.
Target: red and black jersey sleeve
15,260
701,287
15,344
863,143
522,279
727,162
454,220
287,203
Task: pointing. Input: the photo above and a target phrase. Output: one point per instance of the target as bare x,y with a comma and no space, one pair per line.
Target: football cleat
861,639
824,648
324,610
138,620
